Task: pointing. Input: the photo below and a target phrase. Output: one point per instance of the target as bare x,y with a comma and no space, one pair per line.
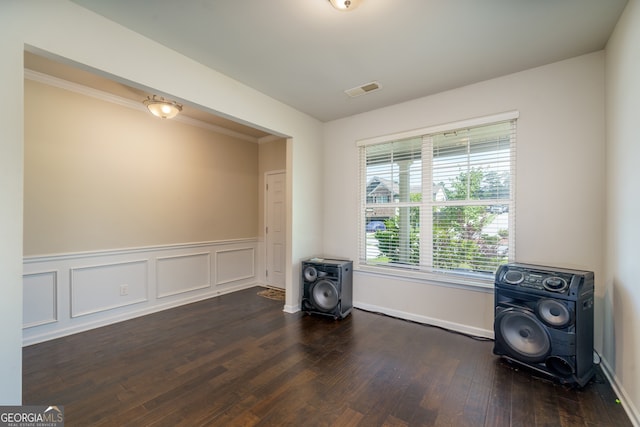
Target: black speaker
544,320
327,287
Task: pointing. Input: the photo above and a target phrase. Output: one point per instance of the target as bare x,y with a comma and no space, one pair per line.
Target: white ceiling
306,54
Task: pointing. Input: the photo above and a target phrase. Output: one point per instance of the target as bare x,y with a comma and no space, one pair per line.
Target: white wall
621,347
11,131
560,182
69,31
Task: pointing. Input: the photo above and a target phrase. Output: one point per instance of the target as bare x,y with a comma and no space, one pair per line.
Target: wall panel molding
182,273
40,301
74,292
99,288
235,264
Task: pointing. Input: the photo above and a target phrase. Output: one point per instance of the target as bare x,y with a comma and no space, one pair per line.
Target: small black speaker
327,287
544,320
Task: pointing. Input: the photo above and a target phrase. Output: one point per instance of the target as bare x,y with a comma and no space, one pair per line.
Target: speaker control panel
544,279
536,281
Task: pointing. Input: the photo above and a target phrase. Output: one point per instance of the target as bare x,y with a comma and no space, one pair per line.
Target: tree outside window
463,223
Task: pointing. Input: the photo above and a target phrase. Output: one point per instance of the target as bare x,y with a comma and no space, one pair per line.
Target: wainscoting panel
40,299
69,293
235,264
105,287
183,273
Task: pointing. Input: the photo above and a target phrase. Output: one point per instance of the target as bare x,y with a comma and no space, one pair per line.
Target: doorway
275,228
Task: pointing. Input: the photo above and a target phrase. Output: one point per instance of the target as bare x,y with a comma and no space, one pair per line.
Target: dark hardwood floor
238,360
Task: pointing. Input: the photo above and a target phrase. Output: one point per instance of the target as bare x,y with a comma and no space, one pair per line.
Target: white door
275,226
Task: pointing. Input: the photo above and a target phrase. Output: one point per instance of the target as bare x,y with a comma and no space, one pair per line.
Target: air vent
361,90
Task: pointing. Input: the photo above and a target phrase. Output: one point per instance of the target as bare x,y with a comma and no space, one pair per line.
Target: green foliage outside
458,240
389,242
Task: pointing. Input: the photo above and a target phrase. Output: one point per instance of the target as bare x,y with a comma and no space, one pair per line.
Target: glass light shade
162,108
345,5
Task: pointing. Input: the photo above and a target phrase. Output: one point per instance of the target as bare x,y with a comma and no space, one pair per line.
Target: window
440,200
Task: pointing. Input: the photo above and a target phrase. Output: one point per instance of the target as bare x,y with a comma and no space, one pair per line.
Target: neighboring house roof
382,185
377,185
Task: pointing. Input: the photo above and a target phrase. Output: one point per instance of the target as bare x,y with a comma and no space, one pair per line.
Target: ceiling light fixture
161,107
345,5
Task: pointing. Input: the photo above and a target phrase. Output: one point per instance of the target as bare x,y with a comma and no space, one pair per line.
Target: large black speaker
544,320
327,287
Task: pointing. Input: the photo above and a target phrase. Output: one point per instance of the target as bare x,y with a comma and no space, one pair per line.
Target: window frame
420,273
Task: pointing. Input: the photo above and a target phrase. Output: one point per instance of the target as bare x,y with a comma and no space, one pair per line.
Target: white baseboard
291,308
625,401
464,329
109,320
70,293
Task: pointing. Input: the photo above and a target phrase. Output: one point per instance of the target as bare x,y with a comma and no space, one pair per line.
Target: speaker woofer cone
310,274
553,313
525,337
325,295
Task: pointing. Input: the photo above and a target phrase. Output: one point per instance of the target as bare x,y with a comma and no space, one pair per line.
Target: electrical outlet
124,290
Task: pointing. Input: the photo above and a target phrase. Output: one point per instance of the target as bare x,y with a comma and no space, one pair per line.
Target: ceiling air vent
361,90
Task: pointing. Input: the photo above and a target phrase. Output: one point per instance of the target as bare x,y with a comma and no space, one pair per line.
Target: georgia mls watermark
31,416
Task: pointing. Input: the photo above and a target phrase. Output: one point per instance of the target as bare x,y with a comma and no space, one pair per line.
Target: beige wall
104,176
273,155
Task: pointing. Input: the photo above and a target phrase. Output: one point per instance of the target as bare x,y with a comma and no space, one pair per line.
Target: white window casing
438,203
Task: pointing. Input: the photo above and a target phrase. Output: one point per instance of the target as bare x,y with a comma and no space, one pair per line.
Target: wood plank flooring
238,360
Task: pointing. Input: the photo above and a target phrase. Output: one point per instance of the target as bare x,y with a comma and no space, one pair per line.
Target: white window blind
441,201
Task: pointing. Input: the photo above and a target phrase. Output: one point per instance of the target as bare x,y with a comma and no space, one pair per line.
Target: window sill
467,281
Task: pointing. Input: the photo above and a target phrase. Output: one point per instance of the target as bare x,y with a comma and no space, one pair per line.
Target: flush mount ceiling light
345,5
161,107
